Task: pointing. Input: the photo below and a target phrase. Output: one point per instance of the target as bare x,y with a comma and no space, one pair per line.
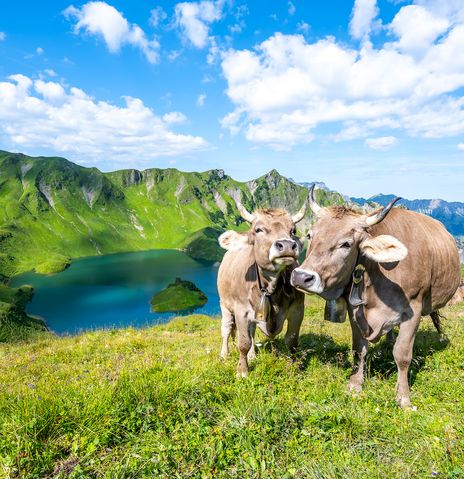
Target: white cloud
417,28
291,8
286,87
363,14
101,19
51,117
174,117
2,36
50,72
461,146
303,27
157,15
39,50
201,99
381,143
194,19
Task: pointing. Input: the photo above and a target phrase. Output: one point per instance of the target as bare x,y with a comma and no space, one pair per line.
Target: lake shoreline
114,290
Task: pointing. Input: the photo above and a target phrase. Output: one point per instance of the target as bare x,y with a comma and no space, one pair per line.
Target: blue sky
364,95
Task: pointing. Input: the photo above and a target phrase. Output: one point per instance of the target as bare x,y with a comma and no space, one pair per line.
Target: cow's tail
436,320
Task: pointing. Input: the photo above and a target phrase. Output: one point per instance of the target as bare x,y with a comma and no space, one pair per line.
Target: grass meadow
158,402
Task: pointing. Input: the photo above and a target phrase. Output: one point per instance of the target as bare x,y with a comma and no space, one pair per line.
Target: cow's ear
384,249
233,240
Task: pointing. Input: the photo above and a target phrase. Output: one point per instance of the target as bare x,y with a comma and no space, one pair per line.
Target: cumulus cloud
417,28
157,15
363,14
303,27
50,72
194,19
2,36
103,20
291,8
201,99
286,87
381,143
49,116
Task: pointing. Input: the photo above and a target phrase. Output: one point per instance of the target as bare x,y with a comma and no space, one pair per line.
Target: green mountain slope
52,209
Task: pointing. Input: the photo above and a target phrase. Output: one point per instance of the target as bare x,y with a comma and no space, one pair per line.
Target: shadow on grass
312,345
379,358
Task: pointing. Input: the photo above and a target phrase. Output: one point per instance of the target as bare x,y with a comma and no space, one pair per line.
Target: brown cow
254,281
383,280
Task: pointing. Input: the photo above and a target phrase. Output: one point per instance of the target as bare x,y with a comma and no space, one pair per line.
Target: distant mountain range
451,214
52,210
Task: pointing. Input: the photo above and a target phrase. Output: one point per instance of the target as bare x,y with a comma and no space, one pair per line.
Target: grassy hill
15,325
52,210
158,402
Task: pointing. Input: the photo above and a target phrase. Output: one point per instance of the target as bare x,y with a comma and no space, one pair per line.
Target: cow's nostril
294,246
279,245
309,278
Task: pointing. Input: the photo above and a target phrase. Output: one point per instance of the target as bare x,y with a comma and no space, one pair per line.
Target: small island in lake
178,296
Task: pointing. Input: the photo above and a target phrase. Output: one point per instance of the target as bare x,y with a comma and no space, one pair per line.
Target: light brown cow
409,267
254,281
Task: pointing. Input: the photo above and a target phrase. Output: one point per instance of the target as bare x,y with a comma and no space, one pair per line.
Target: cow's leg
359,345
227,325
252,352
244,343
402,352
294,320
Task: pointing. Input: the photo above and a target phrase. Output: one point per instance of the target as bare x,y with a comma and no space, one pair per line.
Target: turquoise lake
115,290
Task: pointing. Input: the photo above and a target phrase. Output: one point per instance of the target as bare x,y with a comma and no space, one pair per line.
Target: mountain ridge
52,209
450,213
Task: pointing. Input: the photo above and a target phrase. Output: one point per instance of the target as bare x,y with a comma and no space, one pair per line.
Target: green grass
179,296
52,209
158,402
53,265
15,325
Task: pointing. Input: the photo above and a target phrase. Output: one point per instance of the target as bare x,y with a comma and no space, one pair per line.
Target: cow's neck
269,279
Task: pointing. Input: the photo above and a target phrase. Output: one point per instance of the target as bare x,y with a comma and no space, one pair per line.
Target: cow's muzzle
306,281
284,251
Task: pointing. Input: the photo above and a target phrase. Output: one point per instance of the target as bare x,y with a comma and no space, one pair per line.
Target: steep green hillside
52,210
159,403
15,325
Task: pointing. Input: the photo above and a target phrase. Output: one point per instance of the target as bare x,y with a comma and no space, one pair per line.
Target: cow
386,269
254,281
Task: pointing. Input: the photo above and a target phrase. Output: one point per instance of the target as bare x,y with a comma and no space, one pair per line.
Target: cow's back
432,268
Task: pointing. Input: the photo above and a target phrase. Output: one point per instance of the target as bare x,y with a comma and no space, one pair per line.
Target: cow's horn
300,215
246,215
378,217
315,208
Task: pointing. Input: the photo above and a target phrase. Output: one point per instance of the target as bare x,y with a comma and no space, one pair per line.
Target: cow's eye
293,231
259,230
308,235
345,244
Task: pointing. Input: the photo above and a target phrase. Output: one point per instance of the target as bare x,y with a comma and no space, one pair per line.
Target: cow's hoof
405,403
224,356
354,388
242,374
